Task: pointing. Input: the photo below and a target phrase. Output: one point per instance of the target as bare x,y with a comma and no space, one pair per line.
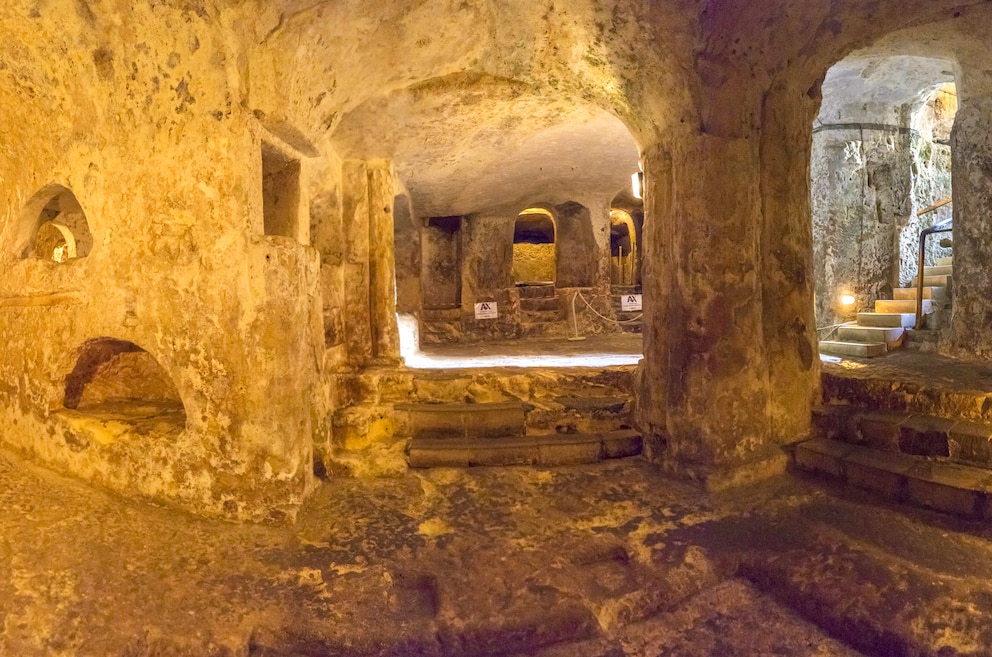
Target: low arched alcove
534,237
53,226
114,377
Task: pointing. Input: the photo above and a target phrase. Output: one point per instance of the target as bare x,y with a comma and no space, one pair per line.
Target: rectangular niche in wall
280,192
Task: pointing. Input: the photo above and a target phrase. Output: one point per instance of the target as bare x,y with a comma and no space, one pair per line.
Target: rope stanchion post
575,321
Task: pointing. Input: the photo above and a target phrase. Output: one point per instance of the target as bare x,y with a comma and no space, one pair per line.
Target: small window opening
280,192
54,227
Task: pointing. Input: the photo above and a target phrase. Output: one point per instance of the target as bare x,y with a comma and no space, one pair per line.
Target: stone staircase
876,333
617,293
542,313
924,442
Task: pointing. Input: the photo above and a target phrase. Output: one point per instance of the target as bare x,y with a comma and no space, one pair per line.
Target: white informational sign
630,302
486,310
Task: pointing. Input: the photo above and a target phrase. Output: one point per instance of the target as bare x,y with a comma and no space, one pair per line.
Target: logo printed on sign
630,302
486,310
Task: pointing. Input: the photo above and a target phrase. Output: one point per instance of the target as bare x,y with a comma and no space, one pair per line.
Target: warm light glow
637,184
847,300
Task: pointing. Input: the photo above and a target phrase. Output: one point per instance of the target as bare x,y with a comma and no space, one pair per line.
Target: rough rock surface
603,560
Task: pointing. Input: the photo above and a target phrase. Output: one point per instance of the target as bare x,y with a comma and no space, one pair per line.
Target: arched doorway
534,257
881,157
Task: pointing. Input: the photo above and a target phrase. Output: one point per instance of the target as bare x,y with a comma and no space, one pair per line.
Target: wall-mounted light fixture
847,300
637,184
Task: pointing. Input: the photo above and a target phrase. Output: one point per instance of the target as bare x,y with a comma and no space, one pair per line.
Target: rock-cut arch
52,226
112,374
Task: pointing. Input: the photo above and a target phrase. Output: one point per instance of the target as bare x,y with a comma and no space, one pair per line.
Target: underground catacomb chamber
116,379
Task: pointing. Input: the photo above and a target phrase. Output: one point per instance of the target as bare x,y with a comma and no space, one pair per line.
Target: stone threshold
542,450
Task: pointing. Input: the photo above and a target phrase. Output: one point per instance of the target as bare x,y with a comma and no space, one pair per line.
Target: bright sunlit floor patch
597,351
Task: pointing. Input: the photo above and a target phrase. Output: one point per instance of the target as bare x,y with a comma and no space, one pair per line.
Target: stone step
895,389
939,270
611,404
965,442
903,293
620,290
906,320
890,335
459,421
932,281
555,328
857,349
948,487
548,450
904,306
540,304
944,261
542,316
536,291
922,339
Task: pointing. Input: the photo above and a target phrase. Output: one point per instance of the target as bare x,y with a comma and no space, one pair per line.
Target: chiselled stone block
950,488
880,429
570,449
623,443
878,471
441,421
820,455
924,435
971,443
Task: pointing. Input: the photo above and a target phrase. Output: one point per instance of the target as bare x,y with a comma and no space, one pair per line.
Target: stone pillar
600,212
972,180
578,252
487,262
369,262
357,317
786,271
382,263
704,349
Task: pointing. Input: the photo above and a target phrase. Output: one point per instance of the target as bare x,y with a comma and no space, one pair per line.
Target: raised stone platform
383,412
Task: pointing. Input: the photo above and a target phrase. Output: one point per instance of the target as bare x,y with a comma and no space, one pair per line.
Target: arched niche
534,252
53,226
117,377
626,218
623,248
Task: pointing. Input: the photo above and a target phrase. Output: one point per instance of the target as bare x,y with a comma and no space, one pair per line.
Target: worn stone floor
607,560
592,351
917,367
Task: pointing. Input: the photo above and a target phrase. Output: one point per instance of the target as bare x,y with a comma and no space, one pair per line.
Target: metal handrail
931,208
940,228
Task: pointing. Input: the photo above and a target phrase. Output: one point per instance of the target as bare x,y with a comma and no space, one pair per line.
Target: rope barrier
597,313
